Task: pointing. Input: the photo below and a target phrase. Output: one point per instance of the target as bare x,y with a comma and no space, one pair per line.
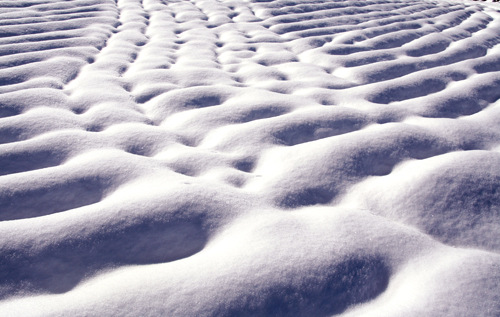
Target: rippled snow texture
249,158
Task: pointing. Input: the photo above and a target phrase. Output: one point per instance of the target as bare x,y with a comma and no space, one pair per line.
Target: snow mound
249,158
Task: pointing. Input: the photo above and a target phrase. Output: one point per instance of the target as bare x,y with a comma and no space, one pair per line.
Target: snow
249,158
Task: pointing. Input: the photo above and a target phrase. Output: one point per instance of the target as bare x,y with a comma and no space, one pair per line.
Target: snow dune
249,158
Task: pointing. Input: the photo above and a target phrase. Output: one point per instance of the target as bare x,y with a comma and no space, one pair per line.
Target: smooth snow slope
249,158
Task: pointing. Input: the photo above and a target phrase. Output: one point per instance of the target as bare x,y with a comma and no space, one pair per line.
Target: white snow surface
249,158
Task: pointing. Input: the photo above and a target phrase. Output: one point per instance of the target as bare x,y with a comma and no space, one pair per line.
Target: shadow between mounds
49,199
60,267
415,90
10,134
359,163
481,96
7,111
319,294
298,133
307,197
23,161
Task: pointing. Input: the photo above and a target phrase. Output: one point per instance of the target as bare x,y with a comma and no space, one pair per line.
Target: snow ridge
249,158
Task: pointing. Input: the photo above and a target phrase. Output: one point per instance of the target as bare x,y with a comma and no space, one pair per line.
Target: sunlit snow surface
249,158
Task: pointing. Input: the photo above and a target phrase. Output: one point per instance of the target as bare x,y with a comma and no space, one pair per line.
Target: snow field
237,158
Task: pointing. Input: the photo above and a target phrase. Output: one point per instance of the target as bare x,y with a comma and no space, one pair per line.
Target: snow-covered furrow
237,158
